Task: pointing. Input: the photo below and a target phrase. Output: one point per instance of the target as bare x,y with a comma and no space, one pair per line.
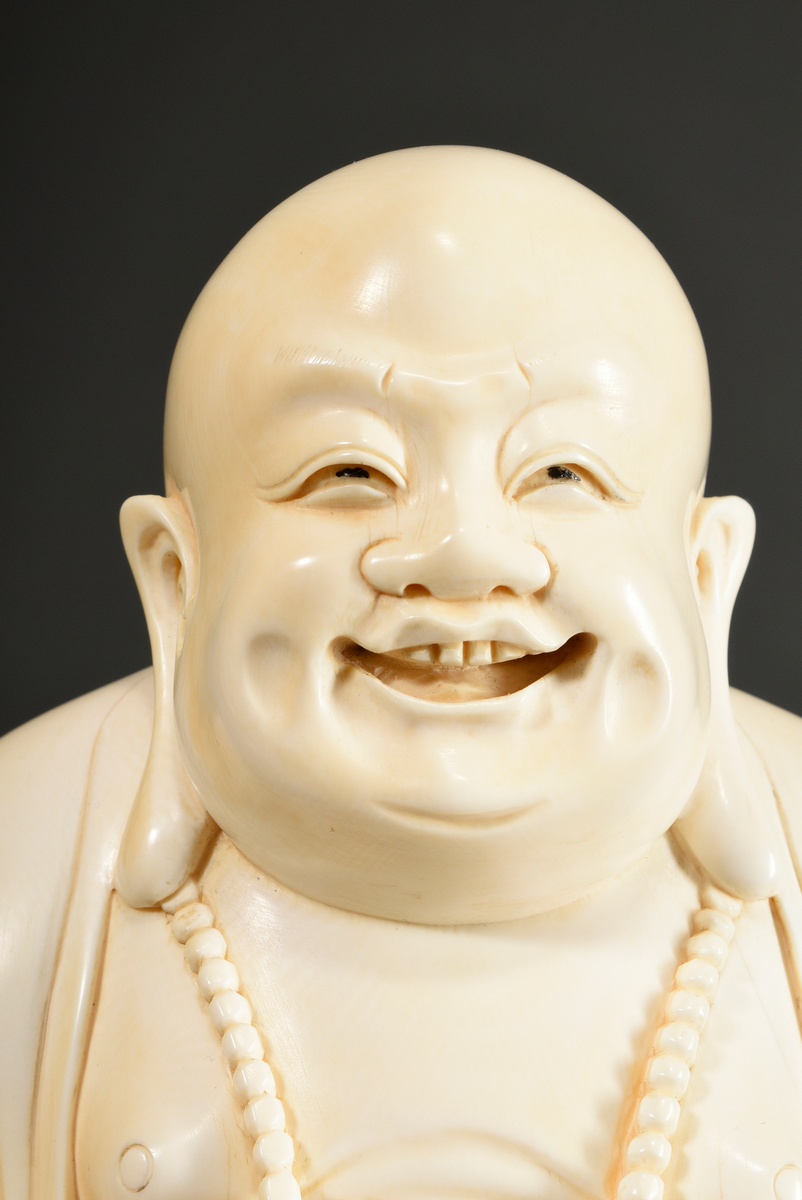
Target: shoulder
64,772
45,764
777,737
46,768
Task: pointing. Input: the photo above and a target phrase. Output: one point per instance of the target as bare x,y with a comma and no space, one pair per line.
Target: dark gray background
145,139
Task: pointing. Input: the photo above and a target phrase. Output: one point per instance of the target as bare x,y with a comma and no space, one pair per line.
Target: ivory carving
435,858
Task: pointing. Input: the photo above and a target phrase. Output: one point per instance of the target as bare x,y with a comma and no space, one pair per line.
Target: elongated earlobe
168,827
729,824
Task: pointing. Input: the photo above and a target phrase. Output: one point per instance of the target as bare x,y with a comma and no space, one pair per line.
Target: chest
488,1072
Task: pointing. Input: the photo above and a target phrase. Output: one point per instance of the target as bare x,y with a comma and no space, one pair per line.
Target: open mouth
460,672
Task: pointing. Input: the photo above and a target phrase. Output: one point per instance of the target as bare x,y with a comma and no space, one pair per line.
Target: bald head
447,261
443,398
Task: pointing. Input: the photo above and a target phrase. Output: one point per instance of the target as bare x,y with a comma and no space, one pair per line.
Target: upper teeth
461,654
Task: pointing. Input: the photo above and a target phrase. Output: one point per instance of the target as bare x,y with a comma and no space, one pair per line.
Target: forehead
450,276
444,264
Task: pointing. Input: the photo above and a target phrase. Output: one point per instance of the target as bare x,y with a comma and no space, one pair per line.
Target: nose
464,564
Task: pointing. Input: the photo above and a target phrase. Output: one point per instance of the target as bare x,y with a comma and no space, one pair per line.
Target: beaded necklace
657,1099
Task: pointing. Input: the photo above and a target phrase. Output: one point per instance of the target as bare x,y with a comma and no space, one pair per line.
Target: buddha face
440,421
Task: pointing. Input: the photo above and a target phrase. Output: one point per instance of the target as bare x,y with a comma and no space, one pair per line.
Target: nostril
461,566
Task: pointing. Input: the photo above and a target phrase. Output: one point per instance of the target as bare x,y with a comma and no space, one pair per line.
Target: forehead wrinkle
526,369
419,387
311,356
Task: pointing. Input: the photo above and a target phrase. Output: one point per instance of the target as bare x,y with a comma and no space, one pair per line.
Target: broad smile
461,672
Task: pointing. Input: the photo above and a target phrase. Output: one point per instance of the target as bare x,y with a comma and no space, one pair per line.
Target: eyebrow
337,436
584,455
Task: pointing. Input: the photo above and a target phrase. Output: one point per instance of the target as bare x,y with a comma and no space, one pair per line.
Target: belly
158,1116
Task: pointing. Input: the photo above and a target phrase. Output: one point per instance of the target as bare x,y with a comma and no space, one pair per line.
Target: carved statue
434,859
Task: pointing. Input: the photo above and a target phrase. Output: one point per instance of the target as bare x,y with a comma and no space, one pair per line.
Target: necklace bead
649,1152
254,1078
217,975
280,1185
674,1048
688,1008
640,1185
205,950
658,1113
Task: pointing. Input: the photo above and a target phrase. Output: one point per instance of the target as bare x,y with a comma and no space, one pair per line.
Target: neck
661,884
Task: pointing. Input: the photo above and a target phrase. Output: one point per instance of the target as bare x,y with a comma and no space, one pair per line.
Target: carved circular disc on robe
136,1167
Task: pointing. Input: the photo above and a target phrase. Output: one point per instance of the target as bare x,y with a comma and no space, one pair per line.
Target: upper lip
428,631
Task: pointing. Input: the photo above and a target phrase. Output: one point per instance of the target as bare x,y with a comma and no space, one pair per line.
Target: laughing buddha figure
434,859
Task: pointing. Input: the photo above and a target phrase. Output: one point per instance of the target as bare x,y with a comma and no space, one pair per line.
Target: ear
728,825
168,827
722,536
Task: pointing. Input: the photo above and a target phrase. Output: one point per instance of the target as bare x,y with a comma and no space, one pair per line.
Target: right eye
346,485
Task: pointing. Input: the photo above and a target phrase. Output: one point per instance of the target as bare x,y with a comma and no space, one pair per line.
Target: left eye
561,472
353,473
556,474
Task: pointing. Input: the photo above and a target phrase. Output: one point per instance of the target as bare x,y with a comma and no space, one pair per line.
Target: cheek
299,571
658,664
636,700
259,636
628,583
309,584
619,574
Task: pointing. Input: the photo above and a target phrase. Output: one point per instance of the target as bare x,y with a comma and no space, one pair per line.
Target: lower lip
449,686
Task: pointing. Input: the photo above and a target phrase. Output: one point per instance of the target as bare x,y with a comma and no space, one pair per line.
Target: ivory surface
434,859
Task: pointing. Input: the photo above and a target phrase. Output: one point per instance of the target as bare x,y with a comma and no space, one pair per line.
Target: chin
365,798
